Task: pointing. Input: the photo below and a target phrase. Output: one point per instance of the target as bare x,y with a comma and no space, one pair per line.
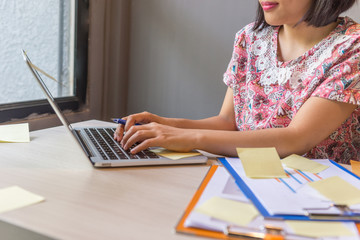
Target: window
54,35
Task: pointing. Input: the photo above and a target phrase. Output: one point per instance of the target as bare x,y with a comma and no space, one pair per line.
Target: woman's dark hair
321,13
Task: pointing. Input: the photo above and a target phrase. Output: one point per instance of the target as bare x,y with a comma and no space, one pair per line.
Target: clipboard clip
346,213
268,232
346,209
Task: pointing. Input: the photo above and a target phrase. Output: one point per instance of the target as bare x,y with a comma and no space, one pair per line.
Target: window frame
22,110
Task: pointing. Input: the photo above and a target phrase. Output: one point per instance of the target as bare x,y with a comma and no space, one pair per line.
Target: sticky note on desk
319,229
174,155
14,197
228,210
15,133
337,190
301,163
261,163
355,167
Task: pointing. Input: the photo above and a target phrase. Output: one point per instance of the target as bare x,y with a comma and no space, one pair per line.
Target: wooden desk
87,203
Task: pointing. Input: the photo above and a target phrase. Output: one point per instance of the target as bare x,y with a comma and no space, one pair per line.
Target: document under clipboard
291,198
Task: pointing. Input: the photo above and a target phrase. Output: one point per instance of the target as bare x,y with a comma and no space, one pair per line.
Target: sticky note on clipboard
319,229
261,163
14,133
301,163
236,212
337,190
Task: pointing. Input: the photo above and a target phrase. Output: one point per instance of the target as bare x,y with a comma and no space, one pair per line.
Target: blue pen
121,121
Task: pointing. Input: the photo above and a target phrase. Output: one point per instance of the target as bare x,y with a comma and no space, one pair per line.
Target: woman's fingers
119,132
143,118
157,135
144,145
137,134
144,135
131,120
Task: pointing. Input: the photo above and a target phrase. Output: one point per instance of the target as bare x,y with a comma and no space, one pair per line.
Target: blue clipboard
354,217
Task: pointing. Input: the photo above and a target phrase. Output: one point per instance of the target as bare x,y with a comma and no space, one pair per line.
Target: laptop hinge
83,144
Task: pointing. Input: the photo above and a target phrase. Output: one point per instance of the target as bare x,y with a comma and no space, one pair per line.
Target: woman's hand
131,120
158,135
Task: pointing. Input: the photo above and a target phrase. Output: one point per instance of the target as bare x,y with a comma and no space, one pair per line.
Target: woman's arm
224,121
315,121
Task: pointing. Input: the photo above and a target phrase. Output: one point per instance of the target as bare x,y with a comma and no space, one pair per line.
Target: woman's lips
268,5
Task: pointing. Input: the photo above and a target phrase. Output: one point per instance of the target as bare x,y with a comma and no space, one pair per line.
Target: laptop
98,143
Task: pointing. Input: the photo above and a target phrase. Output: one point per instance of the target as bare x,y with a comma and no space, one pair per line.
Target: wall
354,12
179,51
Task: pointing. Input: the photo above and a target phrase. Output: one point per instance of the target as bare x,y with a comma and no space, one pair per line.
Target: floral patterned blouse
268,93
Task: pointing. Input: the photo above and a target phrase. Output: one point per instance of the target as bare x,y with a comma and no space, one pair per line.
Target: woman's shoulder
350,27
250,34
344,42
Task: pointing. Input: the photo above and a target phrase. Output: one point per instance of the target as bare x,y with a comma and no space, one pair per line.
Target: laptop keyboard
103,140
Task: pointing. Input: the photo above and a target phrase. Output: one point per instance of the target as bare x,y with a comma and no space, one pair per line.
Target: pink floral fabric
268,93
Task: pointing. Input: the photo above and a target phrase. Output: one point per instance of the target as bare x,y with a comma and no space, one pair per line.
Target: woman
293,84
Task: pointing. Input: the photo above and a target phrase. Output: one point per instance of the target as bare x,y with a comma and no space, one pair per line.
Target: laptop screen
48,95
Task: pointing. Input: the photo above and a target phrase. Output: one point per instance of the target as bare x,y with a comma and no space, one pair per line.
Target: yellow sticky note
174,155
319,229
235,212
355,167
337,190
298,162
15,197
15,133
261,162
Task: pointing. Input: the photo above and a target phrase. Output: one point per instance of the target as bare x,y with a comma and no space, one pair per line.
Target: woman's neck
295,41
